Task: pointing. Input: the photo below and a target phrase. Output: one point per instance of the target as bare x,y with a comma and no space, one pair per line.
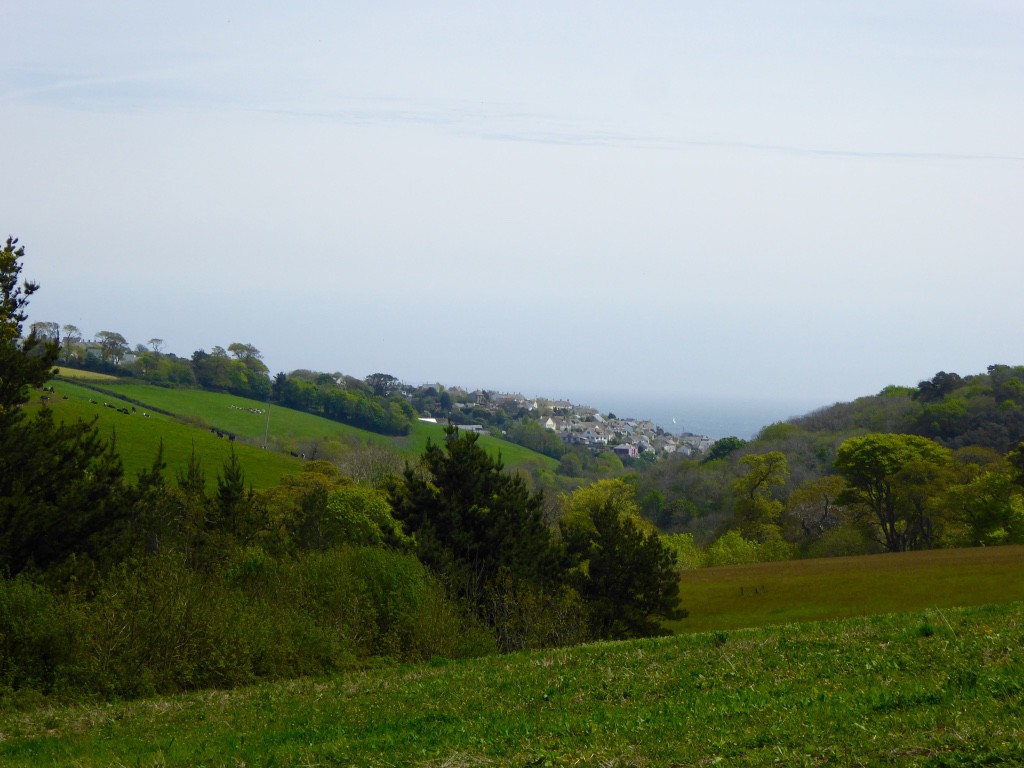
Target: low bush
38,638
156,625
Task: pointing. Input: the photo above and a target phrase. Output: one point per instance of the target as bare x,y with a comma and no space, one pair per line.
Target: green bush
774,550
156,625
688,554
842,542
527,617
38,637
384,603
732,549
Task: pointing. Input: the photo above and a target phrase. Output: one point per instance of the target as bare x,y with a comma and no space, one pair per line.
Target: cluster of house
584,425
628,438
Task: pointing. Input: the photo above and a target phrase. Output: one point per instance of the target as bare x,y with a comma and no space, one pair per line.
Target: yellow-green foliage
362,517
580,505
688,554
732,549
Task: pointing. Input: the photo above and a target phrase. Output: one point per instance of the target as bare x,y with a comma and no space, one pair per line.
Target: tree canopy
625,575
474,524
882,470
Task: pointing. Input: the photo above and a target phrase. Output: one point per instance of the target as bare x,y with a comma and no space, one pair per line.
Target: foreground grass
934,688
731,597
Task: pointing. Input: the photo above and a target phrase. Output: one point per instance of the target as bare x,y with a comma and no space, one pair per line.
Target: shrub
384,603
688,554
38,638
732,549
525,616
842,542
158,626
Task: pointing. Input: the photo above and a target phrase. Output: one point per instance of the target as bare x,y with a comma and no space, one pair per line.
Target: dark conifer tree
474,524
60,484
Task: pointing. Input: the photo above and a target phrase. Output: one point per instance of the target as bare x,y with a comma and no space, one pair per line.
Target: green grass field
252,421
138,438
812,590
284,426
512,455
235,414
913,689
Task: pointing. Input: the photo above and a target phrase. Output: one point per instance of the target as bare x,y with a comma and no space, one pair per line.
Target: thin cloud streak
471,120
503,125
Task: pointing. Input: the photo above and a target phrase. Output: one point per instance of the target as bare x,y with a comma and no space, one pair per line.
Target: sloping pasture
138,437
256,420
761,594
912,689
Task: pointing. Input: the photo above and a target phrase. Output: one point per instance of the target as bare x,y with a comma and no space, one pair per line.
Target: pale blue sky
803,201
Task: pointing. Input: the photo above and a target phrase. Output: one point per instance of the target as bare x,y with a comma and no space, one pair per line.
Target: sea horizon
709,416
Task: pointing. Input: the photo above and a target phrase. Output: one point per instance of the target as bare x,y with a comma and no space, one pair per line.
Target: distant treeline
239,370
349,403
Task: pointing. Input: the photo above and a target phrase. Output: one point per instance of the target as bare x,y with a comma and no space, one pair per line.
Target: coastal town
577,424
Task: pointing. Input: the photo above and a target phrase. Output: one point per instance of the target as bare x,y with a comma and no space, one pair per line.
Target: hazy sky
801,201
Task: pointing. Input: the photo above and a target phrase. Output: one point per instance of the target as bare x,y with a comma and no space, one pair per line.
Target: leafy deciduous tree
45,330
723,448
383,384
872,465
113,346
813,509
757,514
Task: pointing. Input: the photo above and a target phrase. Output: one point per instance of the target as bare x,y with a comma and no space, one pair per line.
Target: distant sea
715,418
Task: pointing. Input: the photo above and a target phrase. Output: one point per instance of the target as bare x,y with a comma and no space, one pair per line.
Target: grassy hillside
237,415
811,590
138,438
514,456
252,421
929,688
